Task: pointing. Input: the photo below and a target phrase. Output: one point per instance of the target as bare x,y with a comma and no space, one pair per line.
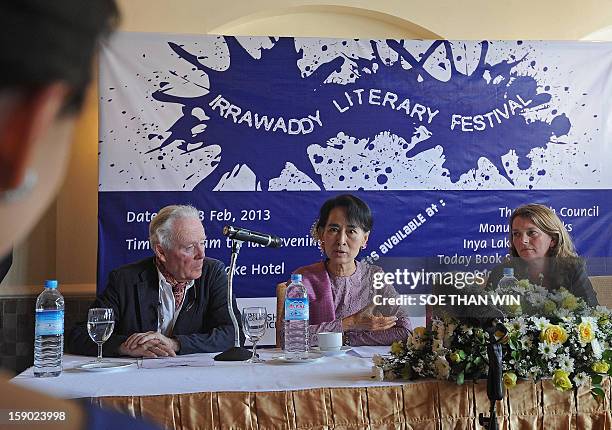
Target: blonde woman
542,251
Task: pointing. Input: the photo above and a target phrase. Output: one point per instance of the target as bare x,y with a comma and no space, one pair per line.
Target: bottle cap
508,271
51,283
296,277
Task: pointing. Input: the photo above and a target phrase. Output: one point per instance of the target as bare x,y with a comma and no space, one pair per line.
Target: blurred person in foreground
45,65
340,288
174,302
541,250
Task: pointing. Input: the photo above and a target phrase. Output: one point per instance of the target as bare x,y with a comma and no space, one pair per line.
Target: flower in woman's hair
582,379
561,380
600,367
553,334
586,331
509,379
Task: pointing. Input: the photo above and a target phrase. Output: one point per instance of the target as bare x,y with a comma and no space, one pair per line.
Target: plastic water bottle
49,331
296,319
508,280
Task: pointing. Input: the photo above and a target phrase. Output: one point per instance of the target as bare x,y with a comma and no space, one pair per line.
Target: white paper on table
188,361
369,351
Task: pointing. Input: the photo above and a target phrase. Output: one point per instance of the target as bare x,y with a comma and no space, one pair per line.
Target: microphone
252,236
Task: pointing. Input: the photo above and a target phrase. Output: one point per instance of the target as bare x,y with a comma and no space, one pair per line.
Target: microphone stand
237,352
494,379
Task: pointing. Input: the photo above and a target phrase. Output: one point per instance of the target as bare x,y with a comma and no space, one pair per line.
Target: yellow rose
561,380
600,367
455,357
419,332
549,307
585,332
509,380
553,335
397,348
569,302
417,340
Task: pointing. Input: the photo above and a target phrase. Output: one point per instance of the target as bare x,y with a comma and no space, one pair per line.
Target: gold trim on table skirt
427,405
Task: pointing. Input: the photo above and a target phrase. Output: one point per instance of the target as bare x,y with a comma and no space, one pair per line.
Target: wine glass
254,320
100,325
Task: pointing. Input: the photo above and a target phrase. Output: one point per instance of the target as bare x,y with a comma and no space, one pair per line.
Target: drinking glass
100,325
254,320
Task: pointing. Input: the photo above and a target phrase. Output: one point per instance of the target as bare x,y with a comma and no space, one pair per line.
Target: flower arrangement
552,334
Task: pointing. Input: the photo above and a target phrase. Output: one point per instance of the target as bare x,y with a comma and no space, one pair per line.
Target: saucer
310,358
343,350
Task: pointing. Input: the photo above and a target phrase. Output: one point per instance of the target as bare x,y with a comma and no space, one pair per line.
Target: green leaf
596,379
607,355
598,393
460,378
477,361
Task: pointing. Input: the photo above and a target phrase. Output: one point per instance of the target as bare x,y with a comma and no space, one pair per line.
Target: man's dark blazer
204,324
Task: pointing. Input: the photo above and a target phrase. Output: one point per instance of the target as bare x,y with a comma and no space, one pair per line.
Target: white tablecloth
349,370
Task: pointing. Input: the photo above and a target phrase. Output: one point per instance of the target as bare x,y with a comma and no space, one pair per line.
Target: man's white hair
160,228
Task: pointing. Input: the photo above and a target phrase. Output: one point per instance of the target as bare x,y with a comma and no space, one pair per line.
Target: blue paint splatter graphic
355,114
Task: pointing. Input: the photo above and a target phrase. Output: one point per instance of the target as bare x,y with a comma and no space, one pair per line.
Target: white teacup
330,341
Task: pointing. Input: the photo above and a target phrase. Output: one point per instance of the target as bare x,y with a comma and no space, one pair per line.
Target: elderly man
172,303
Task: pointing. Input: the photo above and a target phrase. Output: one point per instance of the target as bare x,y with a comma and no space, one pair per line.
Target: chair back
603,287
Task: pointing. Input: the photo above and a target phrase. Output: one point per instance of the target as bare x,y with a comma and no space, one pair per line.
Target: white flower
563,313
439,327
597,350
442,368
527,342
582,379
390,375
437,346
566,363
547,351
378,360
377,373
540,322
467,329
